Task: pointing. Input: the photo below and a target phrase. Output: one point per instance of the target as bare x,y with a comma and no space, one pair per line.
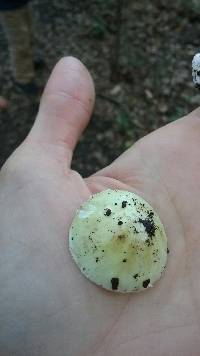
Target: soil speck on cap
114,283
149,226
124,203
108,212
148,242
146,283
151,214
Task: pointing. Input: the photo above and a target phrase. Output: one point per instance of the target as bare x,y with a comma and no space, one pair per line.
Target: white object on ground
196,70
118,241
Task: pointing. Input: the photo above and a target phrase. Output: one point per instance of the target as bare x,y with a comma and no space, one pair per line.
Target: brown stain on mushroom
137,252
121,236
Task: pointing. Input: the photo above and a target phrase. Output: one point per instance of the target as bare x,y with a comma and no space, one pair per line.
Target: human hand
47,307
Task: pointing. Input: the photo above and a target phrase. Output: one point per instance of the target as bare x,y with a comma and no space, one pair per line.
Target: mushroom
196,70
118,241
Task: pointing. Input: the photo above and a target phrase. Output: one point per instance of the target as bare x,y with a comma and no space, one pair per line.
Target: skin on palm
46,305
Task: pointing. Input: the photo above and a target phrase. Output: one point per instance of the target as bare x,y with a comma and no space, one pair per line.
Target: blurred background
138,52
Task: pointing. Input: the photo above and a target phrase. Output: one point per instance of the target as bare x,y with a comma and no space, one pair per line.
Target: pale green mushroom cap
118,241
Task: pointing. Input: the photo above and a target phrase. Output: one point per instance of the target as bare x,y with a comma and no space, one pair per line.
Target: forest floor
153,84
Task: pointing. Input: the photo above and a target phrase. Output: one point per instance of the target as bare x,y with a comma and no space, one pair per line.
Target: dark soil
152,84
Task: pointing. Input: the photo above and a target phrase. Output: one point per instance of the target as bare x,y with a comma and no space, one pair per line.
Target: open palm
47,307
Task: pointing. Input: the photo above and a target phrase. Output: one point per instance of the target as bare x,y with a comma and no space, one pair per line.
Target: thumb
66,105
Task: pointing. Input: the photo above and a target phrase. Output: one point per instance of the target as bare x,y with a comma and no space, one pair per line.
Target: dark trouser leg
16,24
